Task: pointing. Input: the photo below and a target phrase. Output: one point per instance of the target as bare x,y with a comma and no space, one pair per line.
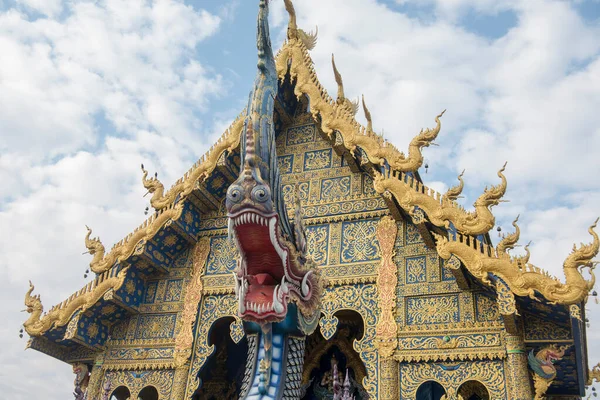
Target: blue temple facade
303,257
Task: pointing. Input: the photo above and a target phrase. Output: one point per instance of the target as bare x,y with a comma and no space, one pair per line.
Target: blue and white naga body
278,288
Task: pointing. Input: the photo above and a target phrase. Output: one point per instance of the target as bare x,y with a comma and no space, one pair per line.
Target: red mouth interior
264,266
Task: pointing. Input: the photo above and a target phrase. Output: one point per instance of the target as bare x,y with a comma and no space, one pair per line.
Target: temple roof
460,236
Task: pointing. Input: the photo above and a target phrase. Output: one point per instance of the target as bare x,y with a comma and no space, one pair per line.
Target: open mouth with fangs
266,276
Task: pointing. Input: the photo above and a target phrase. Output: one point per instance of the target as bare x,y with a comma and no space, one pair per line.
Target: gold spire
341,98
339,81
367,116
294,33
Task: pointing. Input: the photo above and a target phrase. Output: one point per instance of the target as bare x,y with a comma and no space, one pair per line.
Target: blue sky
91,89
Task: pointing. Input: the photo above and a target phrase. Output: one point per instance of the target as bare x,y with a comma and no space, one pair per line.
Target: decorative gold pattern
199,171
193,294
518,381
60,315
410,194
386,287
212,309
294,59
133,242
489,373
135,381
389,388
594,374
526,279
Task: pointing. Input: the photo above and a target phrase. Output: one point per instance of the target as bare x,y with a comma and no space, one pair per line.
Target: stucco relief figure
82,378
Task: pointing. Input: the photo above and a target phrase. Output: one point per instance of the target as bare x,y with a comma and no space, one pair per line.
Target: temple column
180,382
389,375
386,329
94,386
517,373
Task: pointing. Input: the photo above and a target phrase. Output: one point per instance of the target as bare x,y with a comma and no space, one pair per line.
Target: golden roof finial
294,33
454,192
352,106
509,242
339,81
492,196
582,256
154,187
367,116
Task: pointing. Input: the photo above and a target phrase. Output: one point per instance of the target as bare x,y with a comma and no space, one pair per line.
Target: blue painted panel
318,159
359,241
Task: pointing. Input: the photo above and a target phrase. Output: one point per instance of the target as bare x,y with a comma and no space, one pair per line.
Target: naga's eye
261,193
234,194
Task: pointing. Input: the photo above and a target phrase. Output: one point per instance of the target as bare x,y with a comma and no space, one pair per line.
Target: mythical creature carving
154,187
333,117
525,279
273,270
199,171
308,39
411,194
594,374
34,308
121,251
543,367
454,193
59,315
82,378
509,241
96,249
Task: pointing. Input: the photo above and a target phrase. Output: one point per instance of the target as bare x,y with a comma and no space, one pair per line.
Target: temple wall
434,317
141,348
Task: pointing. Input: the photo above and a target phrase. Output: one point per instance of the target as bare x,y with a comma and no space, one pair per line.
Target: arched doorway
430,390
473,390
148,393
321,355
222,374
120,393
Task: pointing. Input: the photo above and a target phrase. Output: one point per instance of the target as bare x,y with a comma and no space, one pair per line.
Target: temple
303,257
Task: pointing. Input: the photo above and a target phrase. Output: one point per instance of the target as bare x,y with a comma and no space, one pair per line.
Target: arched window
120,393
148,393
473,390
430,390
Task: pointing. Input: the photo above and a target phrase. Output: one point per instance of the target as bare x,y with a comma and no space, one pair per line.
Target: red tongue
264,279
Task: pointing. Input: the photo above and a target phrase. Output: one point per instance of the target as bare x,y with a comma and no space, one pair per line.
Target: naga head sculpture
272,269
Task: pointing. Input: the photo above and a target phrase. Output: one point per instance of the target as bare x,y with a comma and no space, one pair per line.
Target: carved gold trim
193,295
594,374
522,278
412,195
387,280
200,170
126,247
59,315
338,115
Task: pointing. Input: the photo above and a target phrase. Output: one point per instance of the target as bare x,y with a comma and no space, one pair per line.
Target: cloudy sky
91,89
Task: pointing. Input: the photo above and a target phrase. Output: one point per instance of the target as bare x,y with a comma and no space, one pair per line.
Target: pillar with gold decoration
94,386
517,373
387,330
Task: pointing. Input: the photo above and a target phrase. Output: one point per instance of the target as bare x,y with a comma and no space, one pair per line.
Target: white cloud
85,97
